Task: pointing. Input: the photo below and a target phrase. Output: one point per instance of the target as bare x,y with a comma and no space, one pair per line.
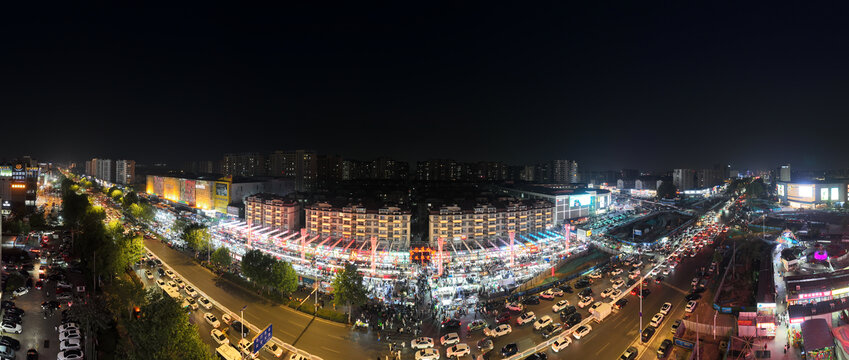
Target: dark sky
672,85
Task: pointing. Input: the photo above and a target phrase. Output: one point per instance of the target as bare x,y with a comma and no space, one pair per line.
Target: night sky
674,85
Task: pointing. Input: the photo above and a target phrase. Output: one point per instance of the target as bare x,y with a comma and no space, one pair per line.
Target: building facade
569,203
487,221
684,179
273,211
244,164
810,195
300,165
213,193
125,172
390,225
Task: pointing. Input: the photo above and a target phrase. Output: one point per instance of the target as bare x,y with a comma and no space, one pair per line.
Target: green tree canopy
197,236
667,190
284,278
348,288
221,258
130,198
163,332
756,189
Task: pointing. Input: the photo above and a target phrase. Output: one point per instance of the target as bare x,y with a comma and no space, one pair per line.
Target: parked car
664,348
509,350
211,320
219,337
582,331
647,333
449,339
421,343
526,318
629,354
561,343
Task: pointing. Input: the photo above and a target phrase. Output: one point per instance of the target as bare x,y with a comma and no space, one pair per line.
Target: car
148,274
562,304
476,325
191,291
161,283
606,292
11,327
219,337
421,343
39,284
531,300
238,327
645,293
449,339
693,296
566,288
542,322
665,272
567,312
12,318
582,331
659,279
619,304
629,354
656,320
647,333
664,309
691,306
74,354
67,285
205,303
664,348
64,297
172,284
427,354
615,293
676,325
595,275
547,295
21,291
451,324
160,272
70,334
552,330
458,350
274,349
586,292
637,263
498,331
634,274
32,354
561,343
247,348
525,318
503,318
190,303
70,344
617,284
10,342
509,350
169,273
211,320
485,344
7,304
537,356
68,326
515,307
580,284
585,301
616,271
180,283
573,319
557,292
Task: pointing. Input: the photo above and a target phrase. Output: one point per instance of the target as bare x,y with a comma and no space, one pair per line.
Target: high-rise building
684,179
489,221
328,171
301,165
125,172
784,173
439,170
389,169
528,173
629,174
244,164
100,169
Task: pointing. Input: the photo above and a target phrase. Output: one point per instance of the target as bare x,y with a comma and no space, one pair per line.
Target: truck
601,312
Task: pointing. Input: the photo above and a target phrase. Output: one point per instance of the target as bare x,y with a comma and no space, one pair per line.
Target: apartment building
273,211
390,224
489,221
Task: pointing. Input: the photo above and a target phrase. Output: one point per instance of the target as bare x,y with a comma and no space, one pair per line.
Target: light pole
242,328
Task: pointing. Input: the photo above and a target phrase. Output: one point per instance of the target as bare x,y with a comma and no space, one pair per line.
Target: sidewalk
776,345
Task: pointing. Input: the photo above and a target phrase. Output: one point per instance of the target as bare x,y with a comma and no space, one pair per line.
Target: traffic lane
288,324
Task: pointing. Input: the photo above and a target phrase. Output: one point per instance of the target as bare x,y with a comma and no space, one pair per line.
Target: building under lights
484,222
809,195
214,193
569,202
18,187
390,225
273,211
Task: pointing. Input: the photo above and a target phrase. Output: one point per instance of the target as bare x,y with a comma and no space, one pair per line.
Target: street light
242,329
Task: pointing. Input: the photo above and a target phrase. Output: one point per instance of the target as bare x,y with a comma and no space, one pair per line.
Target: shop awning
816,334
841,335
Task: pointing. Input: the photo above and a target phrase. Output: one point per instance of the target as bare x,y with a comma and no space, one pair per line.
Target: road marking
329,349
602,348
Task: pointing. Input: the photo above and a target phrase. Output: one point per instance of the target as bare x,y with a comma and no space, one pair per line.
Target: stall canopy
842,335
816,334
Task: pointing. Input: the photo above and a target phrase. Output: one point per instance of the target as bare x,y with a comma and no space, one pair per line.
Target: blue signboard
715,306
684,343
725,310
261,339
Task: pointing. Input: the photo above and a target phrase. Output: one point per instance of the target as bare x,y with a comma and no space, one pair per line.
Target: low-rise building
389,224
490,221
272,211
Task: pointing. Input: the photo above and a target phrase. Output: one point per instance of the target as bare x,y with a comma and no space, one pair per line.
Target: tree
667,190
197,237
37,221
756,189
93,316
163,332
221,258
284,277
130,198
14,281
141,212
116,194
255,265
124,294
348,288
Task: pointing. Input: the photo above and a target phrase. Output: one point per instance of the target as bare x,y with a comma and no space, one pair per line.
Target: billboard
203,194
835,194
580,200
824,194
188,191
158,185
780,189
800,192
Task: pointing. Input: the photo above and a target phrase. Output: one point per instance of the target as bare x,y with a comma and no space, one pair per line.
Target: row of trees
269,273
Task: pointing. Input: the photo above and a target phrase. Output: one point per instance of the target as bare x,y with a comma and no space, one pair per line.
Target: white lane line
602,348
329,349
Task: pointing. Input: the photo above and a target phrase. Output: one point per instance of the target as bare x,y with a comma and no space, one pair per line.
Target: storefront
817,341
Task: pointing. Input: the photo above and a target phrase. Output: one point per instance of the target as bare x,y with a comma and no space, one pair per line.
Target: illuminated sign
19,186
835,194
797,192
780,189
580,200
813,295
840,291
824,194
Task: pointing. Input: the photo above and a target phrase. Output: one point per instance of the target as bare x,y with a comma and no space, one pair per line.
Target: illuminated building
272,211
570,202
19,187
125,172
483,222
811,194
213,193
389,224
300,165
684,179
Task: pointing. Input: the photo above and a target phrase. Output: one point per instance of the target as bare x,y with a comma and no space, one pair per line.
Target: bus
227,352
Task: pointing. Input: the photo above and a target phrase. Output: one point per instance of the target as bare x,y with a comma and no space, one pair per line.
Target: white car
656,320
74,354
637,263
561,343
618,283
582,331
615,293
515,307
665,271
449,339
247,348
211,320
69,344
595,306
458,350
169,273
526,318
190,303
226,318
557,292
191,291
498,331
585,301
562,304
70,334
665,308
205,303
219,337
595,275
171,284
548,295
64,285
148,274
21,291
161,283
616,271
691,306
542,322
10,327
179,282
274,349
606,292
68,326
421,343
427,354
634,274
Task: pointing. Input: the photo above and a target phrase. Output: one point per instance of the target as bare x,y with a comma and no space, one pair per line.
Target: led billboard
580,200
800,192
780,189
